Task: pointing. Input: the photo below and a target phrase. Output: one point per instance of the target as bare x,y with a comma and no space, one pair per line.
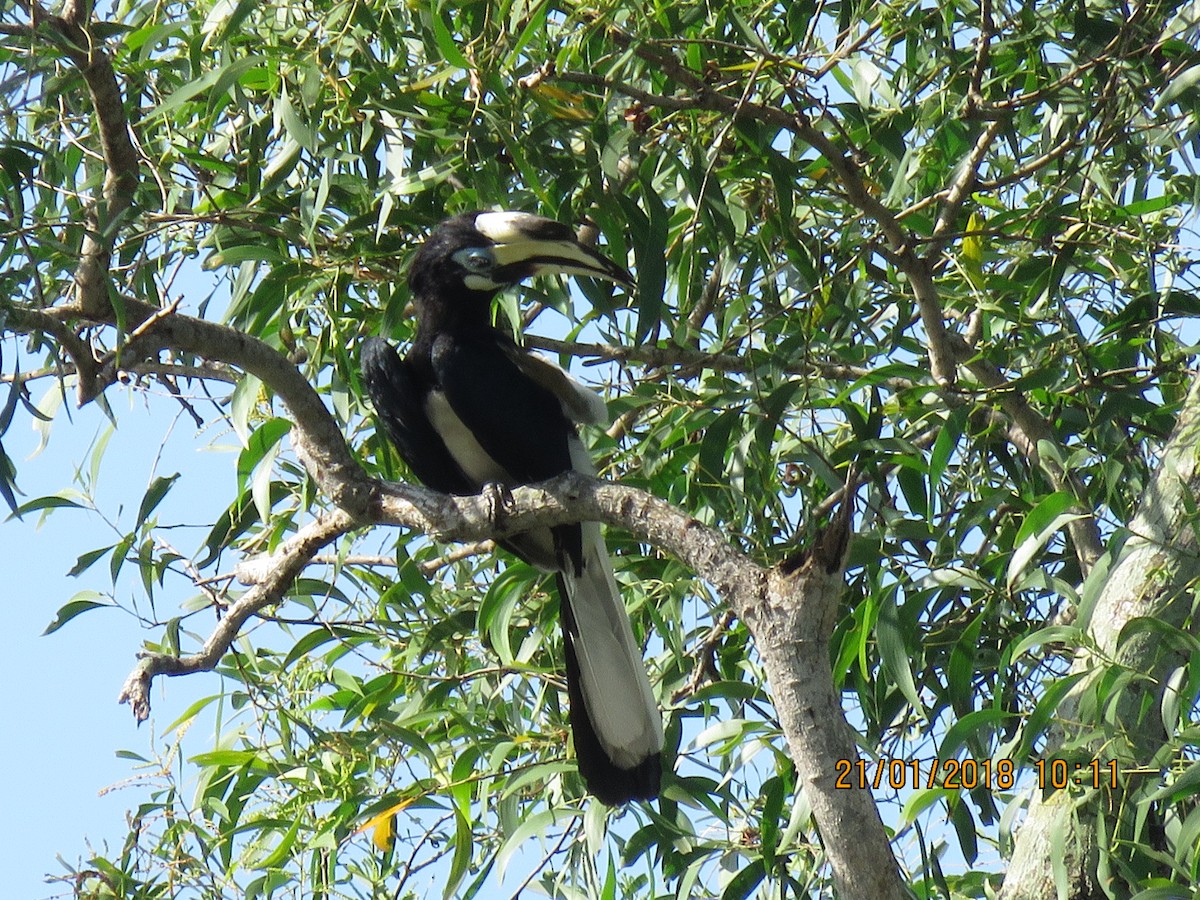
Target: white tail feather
612,673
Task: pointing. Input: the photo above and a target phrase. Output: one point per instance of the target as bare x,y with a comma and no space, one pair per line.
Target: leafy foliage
402,713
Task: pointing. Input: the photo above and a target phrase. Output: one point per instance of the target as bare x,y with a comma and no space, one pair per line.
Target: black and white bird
467,407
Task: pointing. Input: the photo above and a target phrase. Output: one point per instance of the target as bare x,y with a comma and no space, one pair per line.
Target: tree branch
960,188
287,563
318,438
916,268
104,213
29,321
686,358
1027,429
571,497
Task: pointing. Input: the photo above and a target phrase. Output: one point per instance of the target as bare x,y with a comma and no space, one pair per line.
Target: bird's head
486,251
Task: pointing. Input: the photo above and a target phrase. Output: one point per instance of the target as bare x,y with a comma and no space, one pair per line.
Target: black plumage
467,407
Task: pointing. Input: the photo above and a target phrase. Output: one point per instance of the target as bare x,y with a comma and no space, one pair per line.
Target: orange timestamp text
900,774
970,774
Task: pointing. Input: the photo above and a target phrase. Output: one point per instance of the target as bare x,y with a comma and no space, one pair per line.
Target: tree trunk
1153,576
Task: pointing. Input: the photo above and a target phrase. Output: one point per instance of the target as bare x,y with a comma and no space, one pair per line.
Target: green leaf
920,800
1039,719
533,825
279,856
649,232
1182,786
242,253
460,862
943,446
154,495
218,79
222,21
84,601
446,43
1183,82
742,884
120,555
191,712
1043,522
262,447
496,611
86,560
243,404
292,123
8,481
893,650
772,815
51,502
608,890
1069,635
978,725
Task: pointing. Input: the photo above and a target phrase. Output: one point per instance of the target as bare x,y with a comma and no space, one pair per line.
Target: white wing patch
578,401
464,448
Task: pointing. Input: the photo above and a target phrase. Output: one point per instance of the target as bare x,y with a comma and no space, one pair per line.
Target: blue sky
64,726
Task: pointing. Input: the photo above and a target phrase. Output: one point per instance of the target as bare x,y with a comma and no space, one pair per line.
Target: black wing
398,397
519,423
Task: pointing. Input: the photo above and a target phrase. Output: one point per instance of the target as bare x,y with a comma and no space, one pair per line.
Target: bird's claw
499,501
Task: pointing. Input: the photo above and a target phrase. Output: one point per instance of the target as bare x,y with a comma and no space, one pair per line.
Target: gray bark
1154,575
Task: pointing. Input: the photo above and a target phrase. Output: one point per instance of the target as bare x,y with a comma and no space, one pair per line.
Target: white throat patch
480,283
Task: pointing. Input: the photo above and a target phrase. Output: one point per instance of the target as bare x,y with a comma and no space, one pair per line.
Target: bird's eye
475,259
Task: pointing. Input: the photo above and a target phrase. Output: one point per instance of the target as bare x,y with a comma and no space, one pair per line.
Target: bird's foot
499,500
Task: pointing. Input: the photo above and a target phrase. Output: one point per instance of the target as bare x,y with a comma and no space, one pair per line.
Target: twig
983,42
520,891
958,189
704,668
686,358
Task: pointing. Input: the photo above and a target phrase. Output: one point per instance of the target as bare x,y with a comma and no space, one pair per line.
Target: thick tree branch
792,624
104,214
572,498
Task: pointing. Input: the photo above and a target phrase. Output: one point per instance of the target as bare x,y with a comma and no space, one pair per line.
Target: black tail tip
615,787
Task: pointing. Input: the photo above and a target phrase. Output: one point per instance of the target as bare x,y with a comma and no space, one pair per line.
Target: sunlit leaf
84,601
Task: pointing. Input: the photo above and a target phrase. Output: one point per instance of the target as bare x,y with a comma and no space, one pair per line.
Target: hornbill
467,408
